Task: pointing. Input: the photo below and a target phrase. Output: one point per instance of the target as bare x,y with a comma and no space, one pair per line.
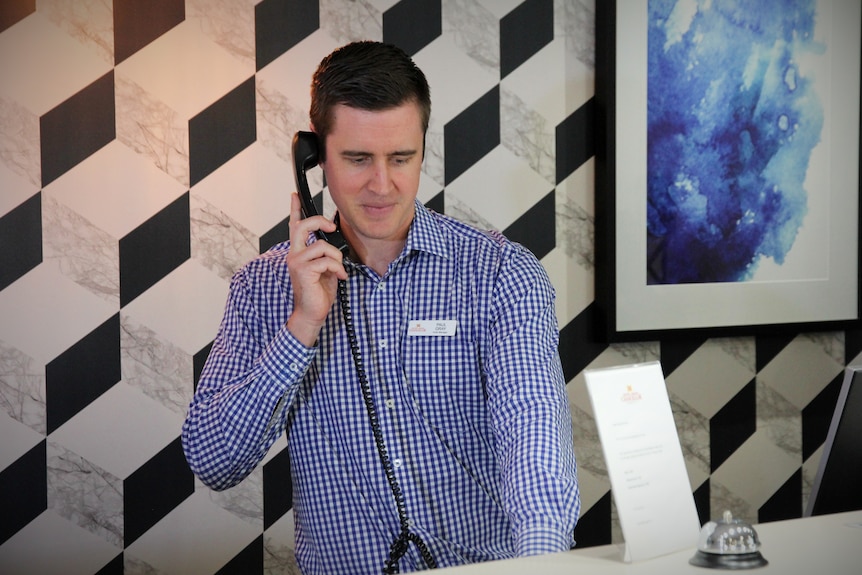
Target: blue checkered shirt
476,424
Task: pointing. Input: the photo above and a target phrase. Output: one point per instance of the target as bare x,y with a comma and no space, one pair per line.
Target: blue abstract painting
731,125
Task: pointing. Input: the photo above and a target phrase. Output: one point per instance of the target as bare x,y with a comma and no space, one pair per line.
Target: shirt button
396,463
382,343
294,367
381,286
390,403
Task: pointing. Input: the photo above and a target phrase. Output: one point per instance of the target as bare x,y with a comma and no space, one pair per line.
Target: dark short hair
369,76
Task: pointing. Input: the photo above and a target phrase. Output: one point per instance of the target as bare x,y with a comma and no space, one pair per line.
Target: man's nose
381,181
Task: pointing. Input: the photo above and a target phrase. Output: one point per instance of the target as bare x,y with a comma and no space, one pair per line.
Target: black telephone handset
305,157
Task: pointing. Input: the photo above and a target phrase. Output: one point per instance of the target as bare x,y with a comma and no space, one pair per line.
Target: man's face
373,161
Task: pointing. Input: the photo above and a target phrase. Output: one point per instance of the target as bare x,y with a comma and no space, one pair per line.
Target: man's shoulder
490,258
270,261
471,240
487,253
466,233
277,251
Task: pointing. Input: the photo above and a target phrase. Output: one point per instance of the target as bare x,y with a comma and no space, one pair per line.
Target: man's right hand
315,269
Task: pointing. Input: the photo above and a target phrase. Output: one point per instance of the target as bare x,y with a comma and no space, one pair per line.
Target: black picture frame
627,308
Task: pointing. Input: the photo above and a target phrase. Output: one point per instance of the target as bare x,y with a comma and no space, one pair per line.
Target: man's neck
379,254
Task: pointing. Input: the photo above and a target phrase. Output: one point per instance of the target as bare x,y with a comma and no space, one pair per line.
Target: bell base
728,561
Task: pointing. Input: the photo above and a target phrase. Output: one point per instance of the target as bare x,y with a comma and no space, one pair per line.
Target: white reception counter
822,545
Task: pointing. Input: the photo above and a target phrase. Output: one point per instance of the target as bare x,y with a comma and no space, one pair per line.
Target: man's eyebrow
361,154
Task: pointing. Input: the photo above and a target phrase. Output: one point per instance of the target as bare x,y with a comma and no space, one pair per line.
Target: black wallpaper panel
222,130
154,489
139,22
82,373
280,25
472,134
536,227
23,490
413,24
13,11
77,128
20,240
524,31
168,234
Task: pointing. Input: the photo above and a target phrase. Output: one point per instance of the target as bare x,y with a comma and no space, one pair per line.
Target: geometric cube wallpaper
145,156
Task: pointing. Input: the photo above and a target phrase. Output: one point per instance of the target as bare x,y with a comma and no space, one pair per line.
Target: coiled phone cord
402,542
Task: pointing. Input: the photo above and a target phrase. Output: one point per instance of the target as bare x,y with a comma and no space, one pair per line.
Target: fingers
315,262
295,208
301,228
300,232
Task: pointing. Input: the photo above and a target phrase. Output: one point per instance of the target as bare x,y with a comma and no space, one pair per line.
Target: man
428,425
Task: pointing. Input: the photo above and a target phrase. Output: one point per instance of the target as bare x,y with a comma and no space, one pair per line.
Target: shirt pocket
444,379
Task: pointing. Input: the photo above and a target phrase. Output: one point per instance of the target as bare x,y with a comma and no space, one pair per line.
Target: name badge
432,327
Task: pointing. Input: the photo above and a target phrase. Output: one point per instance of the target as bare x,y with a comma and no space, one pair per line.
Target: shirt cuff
286,359
538,540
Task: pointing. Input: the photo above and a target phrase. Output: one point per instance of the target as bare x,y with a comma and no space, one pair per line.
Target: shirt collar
426,234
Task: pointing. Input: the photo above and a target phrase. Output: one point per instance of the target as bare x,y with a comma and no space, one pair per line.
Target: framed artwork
727,167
